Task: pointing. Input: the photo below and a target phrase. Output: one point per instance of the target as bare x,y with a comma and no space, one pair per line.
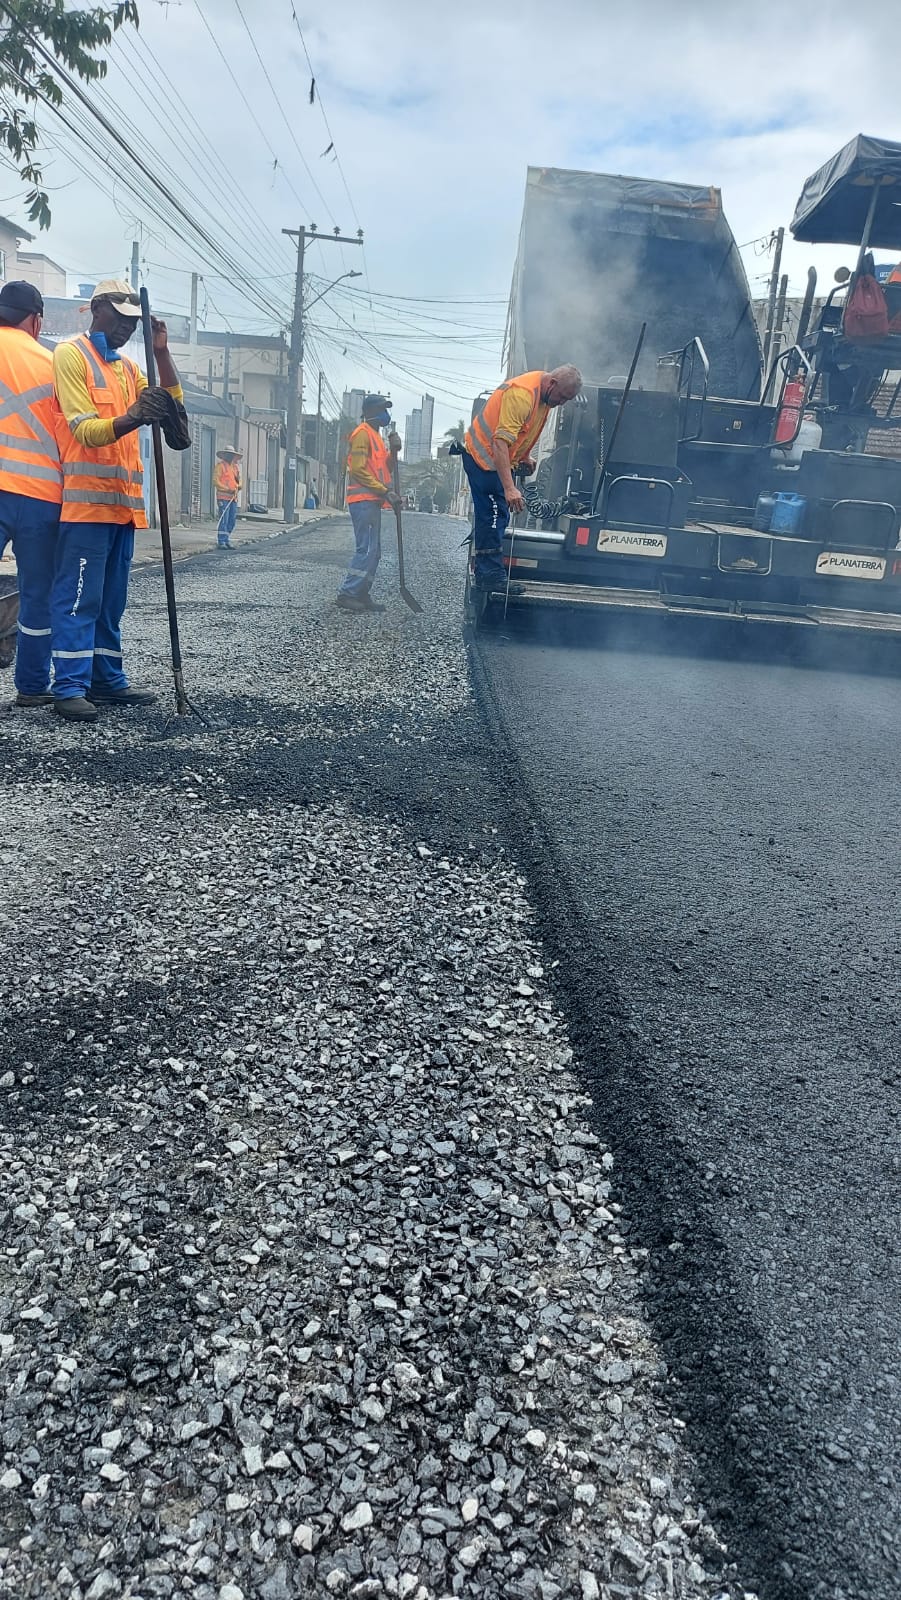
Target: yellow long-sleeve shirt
70,380
515,407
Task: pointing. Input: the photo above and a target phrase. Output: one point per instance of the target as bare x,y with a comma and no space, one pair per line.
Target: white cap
120,291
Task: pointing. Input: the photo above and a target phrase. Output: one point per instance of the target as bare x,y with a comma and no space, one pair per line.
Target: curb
154,561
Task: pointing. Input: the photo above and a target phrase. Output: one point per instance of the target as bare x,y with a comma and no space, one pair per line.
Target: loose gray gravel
312,1279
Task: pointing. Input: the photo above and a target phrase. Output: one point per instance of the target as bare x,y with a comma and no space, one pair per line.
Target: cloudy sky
435,112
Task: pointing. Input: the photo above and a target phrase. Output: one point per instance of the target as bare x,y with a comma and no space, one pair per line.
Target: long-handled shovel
408,598
182,703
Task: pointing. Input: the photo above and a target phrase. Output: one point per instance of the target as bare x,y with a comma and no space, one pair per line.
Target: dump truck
692,480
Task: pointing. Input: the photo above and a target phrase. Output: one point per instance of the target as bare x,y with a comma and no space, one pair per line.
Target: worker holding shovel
369,488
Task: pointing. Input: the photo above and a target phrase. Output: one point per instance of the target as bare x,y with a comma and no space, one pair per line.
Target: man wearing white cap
102,400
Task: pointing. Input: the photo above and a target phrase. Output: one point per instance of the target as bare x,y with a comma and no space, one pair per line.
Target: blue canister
788,512
763,513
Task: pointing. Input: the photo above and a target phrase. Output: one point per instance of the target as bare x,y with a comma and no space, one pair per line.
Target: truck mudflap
651,601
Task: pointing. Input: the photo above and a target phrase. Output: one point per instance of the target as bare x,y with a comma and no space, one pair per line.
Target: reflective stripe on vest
102,483
29,453
480,436
378,463
102,497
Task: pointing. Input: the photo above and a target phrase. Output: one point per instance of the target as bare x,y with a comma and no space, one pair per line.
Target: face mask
380,419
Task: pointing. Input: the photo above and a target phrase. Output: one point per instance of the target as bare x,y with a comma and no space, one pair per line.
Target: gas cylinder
790,410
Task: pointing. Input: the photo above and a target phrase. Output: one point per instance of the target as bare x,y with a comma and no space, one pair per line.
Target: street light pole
295,353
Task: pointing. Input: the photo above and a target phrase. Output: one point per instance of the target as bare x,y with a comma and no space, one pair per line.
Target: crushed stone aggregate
313,1278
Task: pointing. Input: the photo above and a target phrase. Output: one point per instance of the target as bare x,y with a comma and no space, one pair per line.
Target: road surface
711,838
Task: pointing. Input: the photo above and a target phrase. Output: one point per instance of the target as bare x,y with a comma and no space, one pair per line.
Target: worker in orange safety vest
369,476
500,438
31,482
227,483
102,400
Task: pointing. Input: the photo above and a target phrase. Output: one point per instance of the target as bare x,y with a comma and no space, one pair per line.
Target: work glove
175,425
150,406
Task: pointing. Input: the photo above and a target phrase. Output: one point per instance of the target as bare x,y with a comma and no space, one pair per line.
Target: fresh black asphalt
710,825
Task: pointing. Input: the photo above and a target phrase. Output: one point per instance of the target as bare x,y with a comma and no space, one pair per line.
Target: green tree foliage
28,29
428,476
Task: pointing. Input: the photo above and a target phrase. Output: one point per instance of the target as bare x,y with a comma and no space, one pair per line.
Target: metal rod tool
182,703
408,598
618,419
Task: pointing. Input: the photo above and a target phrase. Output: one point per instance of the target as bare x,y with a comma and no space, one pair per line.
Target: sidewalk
190,538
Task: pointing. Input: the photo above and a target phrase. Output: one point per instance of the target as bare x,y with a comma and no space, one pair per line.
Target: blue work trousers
366,516
228,516
90,589
33,528
489,521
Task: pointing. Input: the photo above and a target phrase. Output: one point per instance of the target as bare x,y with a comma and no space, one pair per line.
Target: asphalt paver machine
780,507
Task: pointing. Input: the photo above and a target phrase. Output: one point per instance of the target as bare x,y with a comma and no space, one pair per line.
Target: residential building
248,372
235,387
11,236
46,275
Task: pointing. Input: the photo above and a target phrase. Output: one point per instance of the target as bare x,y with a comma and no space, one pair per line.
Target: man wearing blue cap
369,475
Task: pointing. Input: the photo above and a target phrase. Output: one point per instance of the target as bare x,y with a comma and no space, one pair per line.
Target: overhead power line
250,111
218,173
332,147
201,197
331,137
283,113
234,271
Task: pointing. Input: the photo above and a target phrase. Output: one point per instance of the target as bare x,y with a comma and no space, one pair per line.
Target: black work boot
122,697
351,602
76,709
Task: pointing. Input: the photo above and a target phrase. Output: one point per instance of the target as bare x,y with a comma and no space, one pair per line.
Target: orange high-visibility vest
379,465
29,453
480,436
227,480
102,483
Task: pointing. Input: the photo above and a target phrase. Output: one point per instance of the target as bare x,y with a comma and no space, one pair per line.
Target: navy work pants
90,589
33,528
490,515
366,516
228,516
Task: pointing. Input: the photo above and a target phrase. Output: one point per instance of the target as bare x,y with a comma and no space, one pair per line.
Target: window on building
2,263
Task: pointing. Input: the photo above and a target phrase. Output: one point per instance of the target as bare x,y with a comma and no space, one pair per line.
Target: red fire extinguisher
791,411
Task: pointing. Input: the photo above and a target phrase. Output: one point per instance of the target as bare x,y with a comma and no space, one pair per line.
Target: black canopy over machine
855,198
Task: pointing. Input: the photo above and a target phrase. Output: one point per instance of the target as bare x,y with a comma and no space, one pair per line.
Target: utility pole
780,316
771,302
193,333
319,438
295,354
135,264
